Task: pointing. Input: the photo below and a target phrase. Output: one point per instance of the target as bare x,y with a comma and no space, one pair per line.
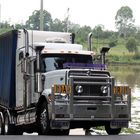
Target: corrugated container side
8,45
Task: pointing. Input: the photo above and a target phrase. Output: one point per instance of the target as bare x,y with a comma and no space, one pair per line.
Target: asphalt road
103,137
75,134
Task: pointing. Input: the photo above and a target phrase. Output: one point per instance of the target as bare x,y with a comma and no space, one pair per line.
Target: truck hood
55,77
60,76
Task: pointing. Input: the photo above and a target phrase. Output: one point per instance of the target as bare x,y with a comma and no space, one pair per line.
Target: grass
130,130
119,53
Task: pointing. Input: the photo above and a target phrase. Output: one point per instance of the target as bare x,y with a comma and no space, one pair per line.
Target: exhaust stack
26,66
90,41
38,78
26,43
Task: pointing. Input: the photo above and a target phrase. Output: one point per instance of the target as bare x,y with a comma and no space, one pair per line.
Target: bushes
136,56
120,59
131,45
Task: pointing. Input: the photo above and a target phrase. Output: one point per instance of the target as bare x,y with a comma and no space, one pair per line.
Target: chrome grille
91,83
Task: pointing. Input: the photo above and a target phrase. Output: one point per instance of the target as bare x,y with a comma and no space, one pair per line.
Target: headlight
79,89
104,89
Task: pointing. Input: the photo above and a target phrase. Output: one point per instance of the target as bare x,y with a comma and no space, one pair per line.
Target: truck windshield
56,61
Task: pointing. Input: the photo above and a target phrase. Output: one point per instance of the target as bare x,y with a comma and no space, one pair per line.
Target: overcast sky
83,12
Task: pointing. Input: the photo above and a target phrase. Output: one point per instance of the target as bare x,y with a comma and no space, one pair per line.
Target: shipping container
8,45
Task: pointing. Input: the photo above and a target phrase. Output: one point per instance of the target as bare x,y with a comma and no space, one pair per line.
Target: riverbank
131,59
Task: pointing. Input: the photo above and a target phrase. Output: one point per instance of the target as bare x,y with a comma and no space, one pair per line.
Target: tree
98,31
19,26
5,27
57,25
34,20
113,41
131,45
82,34
124,20
138,33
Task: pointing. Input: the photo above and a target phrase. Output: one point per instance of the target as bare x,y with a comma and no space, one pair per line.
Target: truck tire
10,129
7,128
112,131
1,124
43,120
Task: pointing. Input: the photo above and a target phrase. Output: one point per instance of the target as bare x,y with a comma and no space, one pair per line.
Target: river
130,75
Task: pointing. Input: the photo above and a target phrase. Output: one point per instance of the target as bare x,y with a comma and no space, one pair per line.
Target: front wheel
112,131
43,120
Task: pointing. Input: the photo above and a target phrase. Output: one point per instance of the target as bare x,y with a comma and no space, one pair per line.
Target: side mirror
103,51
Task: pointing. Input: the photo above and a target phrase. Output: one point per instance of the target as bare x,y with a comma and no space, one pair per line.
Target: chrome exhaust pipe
38,78
90,41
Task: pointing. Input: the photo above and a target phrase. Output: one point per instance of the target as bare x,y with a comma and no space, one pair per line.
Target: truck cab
81,93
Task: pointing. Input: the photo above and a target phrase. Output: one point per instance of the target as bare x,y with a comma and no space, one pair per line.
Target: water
130,75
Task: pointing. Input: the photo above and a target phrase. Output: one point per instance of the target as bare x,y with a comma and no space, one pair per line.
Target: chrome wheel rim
43,119
0,127
6,125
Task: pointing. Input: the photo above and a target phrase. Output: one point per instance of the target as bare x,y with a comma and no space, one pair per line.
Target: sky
83,12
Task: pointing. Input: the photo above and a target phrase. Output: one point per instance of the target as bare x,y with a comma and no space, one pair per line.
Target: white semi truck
50,85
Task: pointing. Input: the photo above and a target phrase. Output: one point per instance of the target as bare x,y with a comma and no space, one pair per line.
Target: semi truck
49,85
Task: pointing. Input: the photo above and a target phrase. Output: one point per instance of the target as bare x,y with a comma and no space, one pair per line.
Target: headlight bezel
104,89
79,89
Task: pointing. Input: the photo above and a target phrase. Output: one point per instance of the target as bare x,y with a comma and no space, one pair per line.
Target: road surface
102,137
75,134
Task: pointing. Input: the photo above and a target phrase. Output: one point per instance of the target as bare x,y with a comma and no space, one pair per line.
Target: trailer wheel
43,120
6,124
1,124
112,131
10,129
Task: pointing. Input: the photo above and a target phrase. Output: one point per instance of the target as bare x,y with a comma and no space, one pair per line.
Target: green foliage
112,41
138,34
98,31
4,30
124,21
131,45
19,26
5,27
34,20
82,34
136,56
57,25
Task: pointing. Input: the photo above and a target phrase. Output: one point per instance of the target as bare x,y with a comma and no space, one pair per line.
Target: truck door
33,97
